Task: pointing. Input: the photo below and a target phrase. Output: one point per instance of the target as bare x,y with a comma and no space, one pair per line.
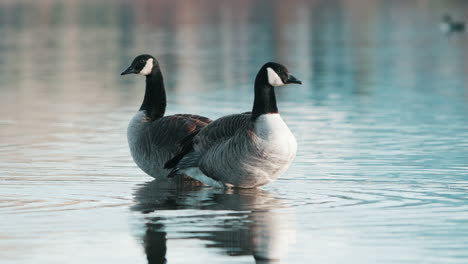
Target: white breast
444,27
276,136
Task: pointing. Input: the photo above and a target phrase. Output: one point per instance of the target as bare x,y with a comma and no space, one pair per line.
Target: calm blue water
381,174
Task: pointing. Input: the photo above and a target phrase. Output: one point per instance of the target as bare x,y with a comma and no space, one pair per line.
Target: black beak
292,79
129,70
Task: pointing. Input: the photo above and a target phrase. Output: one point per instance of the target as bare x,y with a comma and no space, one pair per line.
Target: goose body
153,143
448,25
243,150
152,137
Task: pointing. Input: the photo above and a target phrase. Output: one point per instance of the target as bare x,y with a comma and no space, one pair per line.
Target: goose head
277,75
446,18
143,64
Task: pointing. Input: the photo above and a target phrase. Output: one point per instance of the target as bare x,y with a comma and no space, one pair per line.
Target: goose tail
186,145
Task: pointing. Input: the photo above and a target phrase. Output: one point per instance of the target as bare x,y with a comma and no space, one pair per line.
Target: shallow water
381,174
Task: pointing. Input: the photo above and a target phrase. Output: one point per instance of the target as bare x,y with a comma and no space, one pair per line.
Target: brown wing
170,130
196,117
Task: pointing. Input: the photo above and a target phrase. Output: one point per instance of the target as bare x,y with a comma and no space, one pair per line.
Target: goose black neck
265,99
154,103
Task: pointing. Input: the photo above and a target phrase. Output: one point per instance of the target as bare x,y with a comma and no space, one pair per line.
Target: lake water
381,121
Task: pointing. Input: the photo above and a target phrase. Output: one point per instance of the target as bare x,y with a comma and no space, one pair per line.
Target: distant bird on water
448,25
242,150
153,138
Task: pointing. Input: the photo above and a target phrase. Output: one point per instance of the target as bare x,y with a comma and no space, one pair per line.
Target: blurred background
381,121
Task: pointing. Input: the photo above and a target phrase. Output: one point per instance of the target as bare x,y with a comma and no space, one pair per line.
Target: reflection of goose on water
152,137
243,150
239,222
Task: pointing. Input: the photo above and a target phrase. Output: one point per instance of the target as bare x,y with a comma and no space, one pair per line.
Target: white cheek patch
273,78
148,67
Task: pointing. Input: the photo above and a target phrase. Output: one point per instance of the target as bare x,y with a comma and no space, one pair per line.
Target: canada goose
448,25
153,138
242,150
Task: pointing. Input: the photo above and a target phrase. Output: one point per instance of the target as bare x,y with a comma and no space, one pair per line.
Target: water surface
381,174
